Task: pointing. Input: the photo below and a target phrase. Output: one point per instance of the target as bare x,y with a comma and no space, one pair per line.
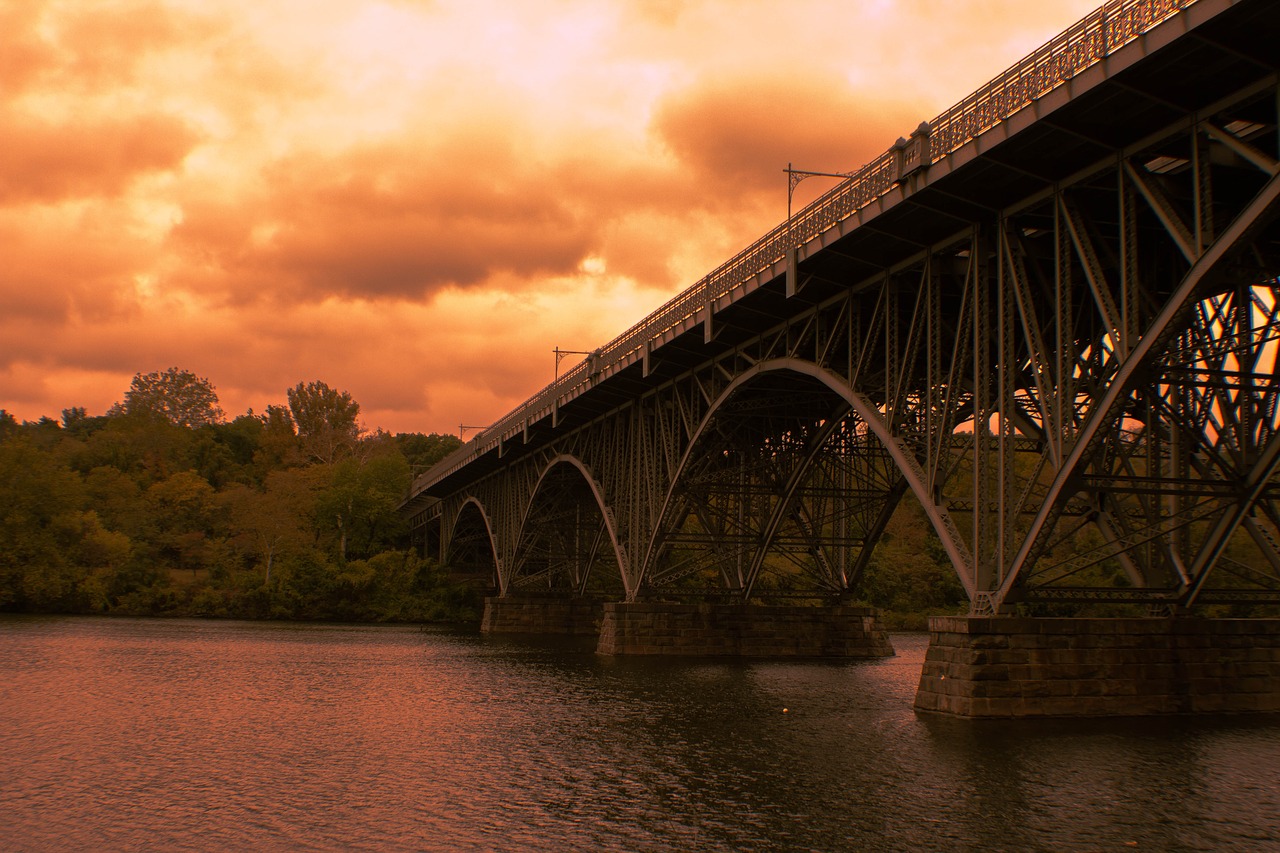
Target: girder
1072,368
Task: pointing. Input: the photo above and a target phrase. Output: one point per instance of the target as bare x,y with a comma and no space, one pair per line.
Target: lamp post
795,176
561,353
462,428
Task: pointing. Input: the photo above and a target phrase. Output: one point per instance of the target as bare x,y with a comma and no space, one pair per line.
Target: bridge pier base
741,630
540,615
1050,667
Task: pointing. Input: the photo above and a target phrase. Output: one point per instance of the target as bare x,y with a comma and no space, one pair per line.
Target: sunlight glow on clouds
416,200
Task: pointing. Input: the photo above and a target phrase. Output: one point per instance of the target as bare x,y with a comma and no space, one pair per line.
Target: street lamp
462,429
561,353
794,177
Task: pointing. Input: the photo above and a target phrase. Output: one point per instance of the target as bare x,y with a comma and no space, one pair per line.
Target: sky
416,201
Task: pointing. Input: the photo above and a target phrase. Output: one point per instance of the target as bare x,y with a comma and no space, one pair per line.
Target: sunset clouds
416,200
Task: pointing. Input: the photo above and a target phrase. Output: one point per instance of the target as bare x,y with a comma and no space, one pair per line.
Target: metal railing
1084,43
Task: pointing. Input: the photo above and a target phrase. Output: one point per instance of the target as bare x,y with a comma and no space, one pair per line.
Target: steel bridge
1051,316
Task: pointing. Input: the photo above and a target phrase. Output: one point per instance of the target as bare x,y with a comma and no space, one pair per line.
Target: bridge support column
741,630
1030,667
540,615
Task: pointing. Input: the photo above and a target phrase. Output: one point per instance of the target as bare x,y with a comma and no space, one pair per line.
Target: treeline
163,506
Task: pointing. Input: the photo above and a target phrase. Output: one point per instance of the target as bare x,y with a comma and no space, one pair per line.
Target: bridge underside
1060,340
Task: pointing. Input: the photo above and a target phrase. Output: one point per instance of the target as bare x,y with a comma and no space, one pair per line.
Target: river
205,735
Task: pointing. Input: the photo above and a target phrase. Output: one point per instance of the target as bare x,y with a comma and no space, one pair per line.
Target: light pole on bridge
795,176
561,353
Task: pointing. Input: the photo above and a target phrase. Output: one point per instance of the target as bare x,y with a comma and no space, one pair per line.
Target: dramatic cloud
393,219
49,162
416,200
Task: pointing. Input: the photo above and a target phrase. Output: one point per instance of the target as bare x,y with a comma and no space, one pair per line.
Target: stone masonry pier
1041,667
741,630
540,615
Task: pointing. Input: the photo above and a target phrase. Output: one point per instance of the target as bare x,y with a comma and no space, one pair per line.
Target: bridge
1050,316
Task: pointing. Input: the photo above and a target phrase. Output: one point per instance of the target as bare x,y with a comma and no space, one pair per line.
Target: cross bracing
1059,337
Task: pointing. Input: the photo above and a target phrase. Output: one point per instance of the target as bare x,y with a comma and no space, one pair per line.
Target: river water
195,735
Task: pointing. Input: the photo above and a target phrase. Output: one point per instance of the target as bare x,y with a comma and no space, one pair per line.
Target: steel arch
908,467
597,492
1262,206
471,500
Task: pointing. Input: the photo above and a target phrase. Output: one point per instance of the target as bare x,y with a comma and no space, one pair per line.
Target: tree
423,451
147,447
78,425
326,420
40,501
275,520
361,498
278,444
178,396
184,517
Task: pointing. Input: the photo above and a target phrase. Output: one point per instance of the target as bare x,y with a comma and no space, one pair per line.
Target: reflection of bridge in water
1050,316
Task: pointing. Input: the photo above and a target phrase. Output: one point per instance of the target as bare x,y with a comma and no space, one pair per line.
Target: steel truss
1080,390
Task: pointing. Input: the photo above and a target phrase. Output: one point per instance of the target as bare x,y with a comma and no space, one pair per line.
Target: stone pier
540,615
1042,667
741,630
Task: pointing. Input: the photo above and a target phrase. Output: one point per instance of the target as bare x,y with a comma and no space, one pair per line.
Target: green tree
184,519
178,396
361,499
77,424
274,521
40,506
326,420
278,445
116,498
145,447
423,451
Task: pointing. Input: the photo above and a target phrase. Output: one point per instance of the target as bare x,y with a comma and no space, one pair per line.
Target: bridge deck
1123,72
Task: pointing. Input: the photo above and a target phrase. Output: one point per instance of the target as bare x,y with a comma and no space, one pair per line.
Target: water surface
194,735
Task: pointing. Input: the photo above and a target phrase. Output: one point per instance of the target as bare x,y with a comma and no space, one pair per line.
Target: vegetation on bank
162,506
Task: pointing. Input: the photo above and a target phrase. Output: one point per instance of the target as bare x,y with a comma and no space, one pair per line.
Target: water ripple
187,735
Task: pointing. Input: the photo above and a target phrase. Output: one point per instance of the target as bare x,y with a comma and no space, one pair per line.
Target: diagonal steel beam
1254,216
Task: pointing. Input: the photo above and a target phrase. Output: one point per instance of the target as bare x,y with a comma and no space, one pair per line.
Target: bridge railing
1074,49
1090,39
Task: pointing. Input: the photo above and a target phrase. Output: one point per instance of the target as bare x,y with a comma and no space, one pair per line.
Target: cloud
83,157
79,49
392,219
64,262
737,133
416,201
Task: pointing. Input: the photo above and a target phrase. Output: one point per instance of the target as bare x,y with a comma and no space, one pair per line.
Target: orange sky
417,200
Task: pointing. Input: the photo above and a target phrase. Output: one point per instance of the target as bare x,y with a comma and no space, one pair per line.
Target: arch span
584,553
867,413
468,544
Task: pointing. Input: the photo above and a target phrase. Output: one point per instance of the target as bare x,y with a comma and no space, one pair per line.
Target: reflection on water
191,735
